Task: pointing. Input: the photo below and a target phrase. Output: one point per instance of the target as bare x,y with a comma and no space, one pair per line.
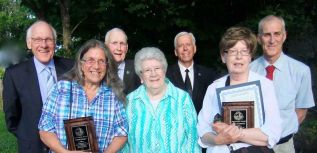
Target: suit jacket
130,79
22,102
203,77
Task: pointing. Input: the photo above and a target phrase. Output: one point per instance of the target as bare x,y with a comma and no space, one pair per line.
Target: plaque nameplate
81,135
239,113
245,92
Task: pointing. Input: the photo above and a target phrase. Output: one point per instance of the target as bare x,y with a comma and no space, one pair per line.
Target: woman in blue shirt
91,88
161,117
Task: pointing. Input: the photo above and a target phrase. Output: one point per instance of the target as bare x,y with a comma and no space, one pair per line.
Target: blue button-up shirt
107,111
292,82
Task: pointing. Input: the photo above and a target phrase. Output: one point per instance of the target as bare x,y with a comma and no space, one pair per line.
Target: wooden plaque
81,134
241,113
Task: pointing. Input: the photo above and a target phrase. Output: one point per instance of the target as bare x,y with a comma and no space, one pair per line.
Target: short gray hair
107,37
148,53
182,34
29,30
270,18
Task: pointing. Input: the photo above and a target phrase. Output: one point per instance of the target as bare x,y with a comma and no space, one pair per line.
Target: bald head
116,41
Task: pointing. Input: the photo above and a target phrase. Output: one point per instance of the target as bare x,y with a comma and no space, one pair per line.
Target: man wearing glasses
27,85
117,42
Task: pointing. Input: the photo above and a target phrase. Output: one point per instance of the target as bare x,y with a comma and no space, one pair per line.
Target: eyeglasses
46,40
236,52
148,71
115,43
91,61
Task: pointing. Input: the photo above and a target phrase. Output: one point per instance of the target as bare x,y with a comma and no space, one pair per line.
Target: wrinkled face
272,39
237,58
185,49
152,74
42,42
94,66
118,45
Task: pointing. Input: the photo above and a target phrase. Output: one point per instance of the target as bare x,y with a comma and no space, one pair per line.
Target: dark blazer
22,102
130,79
203,77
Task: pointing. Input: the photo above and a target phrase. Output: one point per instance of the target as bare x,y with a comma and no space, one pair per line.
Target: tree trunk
64,8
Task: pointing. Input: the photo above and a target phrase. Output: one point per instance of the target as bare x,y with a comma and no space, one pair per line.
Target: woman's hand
226,134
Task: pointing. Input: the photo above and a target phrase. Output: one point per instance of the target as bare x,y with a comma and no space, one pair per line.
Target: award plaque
240,113
81,134
240,96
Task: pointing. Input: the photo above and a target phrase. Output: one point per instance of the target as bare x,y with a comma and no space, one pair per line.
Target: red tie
269,72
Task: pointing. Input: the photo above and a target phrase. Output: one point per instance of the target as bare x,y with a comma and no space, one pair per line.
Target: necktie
269,72
50,79
188,85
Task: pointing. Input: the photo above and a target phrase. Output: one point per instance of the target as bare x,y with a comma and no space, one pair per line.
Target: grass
7,140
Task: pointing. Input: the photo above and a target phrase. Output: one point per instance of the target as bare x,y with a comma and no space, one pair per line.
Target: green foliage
7,140
306,138
13,20
1,73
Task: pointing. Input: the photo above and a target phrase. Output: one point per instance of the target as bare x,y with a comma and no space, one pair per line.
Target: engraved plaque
81,134
241,113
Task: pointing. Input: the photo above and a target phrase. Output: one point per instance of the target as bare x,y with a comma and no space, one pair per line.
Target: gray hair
111,79
30,29
107,37
270,18
148,53
182,34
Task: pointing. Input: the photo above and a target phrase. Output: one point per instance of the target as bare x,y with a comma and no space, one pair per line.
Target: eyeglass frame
236,52
92,61
46,40
149,71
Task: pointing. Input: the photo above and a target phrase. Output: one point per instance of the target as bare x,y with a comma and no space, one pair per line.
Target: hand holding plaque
240,113
81,134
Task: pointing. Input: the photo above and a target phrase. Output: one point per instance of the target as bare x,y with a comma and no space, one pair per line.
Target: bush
306,138
1,73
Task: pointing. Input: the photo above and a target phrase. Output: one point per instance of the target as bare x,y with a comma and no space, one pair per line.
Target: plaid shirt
108,113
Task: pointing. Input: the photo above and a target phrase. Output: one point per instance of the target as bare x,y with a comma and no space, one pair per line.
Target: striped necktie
50,79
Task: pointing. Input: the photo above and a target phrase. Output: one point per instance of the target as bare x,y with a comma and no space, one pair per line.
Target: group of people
144,105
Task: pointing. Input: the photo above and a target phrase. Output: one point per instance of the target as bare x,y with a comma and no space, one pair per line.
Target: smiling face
237,64
94,66
185,50
271,39
118,45
41,42
152,74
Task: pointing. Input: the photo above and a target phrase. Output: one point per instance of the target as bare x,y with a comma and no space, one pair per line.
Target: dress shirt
121,70
190,73
171,128
42,75
292,81
271,127
108,113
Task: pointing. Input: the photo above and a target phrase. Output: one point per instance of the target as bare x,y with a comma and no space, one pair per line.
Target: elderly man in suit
117,41
27,84
187,75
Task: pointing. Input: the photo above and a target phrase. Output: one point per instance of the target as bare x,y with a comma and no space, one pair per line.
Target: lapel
127,74
197,80
59,67
33,82
178,79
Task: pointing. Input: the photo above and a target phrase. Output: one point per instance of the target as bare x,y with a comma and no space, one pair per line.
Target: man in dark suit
117,42
26,86
199,77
